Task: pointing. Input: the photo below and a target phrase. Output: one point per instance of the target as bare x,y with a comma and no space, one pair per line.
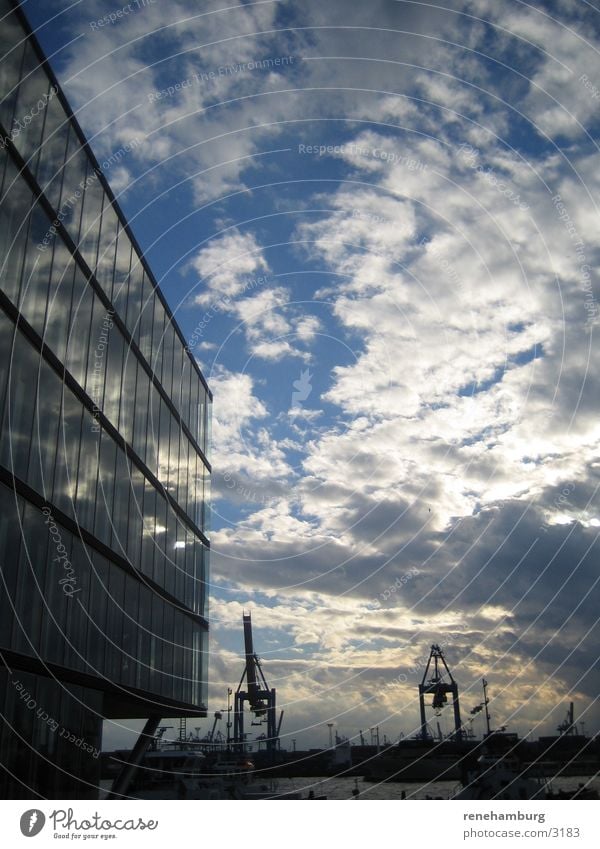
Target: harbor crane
261,700
568,725
438,682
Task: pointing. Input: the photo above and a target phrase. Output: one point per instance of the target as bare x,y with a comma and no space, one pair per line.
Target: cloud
228,266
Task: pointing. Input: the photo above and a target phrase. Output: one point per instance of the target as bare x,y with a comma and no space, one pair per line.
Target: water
337,787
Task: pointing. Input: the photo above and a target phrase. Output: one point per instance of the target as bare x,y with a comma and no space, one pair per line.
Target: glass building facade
104,476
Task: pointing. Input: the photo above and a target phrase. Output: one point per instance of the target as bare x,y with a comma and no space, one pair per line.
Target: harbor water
336,787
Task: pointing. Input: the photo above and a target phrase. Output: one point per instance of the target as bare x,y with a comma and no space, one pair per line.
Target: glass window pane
60,297
163,443
19,407
153,430
135,527
183,471
169,549
140,426
181,382
126,413
130,629
114,623
194,407
167,685
167,358
179,558
98,604
178,652
55,612
114,372
6,341
121,504
144,647
207,442
202,578
107,246
36,271
146,319
10,540
173,469
99,335
71,195
197,487
30,582
160,541
53,150
45,432
121,278
91,217
14,209
157,337
206,506
87,473
11,57
28,118
75,577
67,457
105,489
79,328
149,508
134,298
201,417
156,645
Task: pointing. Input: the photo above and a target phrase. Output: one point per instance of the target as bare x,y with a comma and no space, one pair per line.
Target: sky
377,226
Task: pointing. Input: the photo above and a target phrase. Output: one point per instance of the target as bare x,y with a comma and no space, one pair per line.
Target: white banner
363,824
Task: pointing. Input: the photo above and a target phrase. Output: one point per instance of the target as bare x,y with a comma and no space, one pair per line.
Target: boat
502,777
499,777
175,772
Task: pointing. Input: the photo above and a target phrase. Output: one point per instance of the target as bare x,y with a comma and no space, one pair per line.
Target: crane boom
252,666
261,700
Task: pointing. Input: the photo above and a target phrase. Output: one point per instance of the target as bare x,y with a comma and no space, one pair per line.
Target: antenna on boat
486,702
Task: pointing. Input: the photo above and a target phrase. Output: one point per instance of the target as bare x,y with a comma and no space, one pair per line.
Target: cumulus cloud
228,266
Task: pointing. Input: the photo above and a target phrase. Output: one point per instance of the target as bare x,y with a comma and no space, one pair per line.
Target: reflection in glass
73,186
107,246
44,439
105,489
28,118
121,276
79,327
19,408
67,455
53,151
12,47
36,271
91,217
60,297
87,473
14,209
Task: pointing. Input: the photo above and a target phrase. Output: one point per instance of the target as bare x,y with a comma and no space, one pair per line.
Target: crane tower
261,700
438,681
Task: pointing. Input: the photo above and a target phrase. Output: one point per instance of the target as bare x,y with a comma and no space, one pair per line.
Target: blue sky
405,365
